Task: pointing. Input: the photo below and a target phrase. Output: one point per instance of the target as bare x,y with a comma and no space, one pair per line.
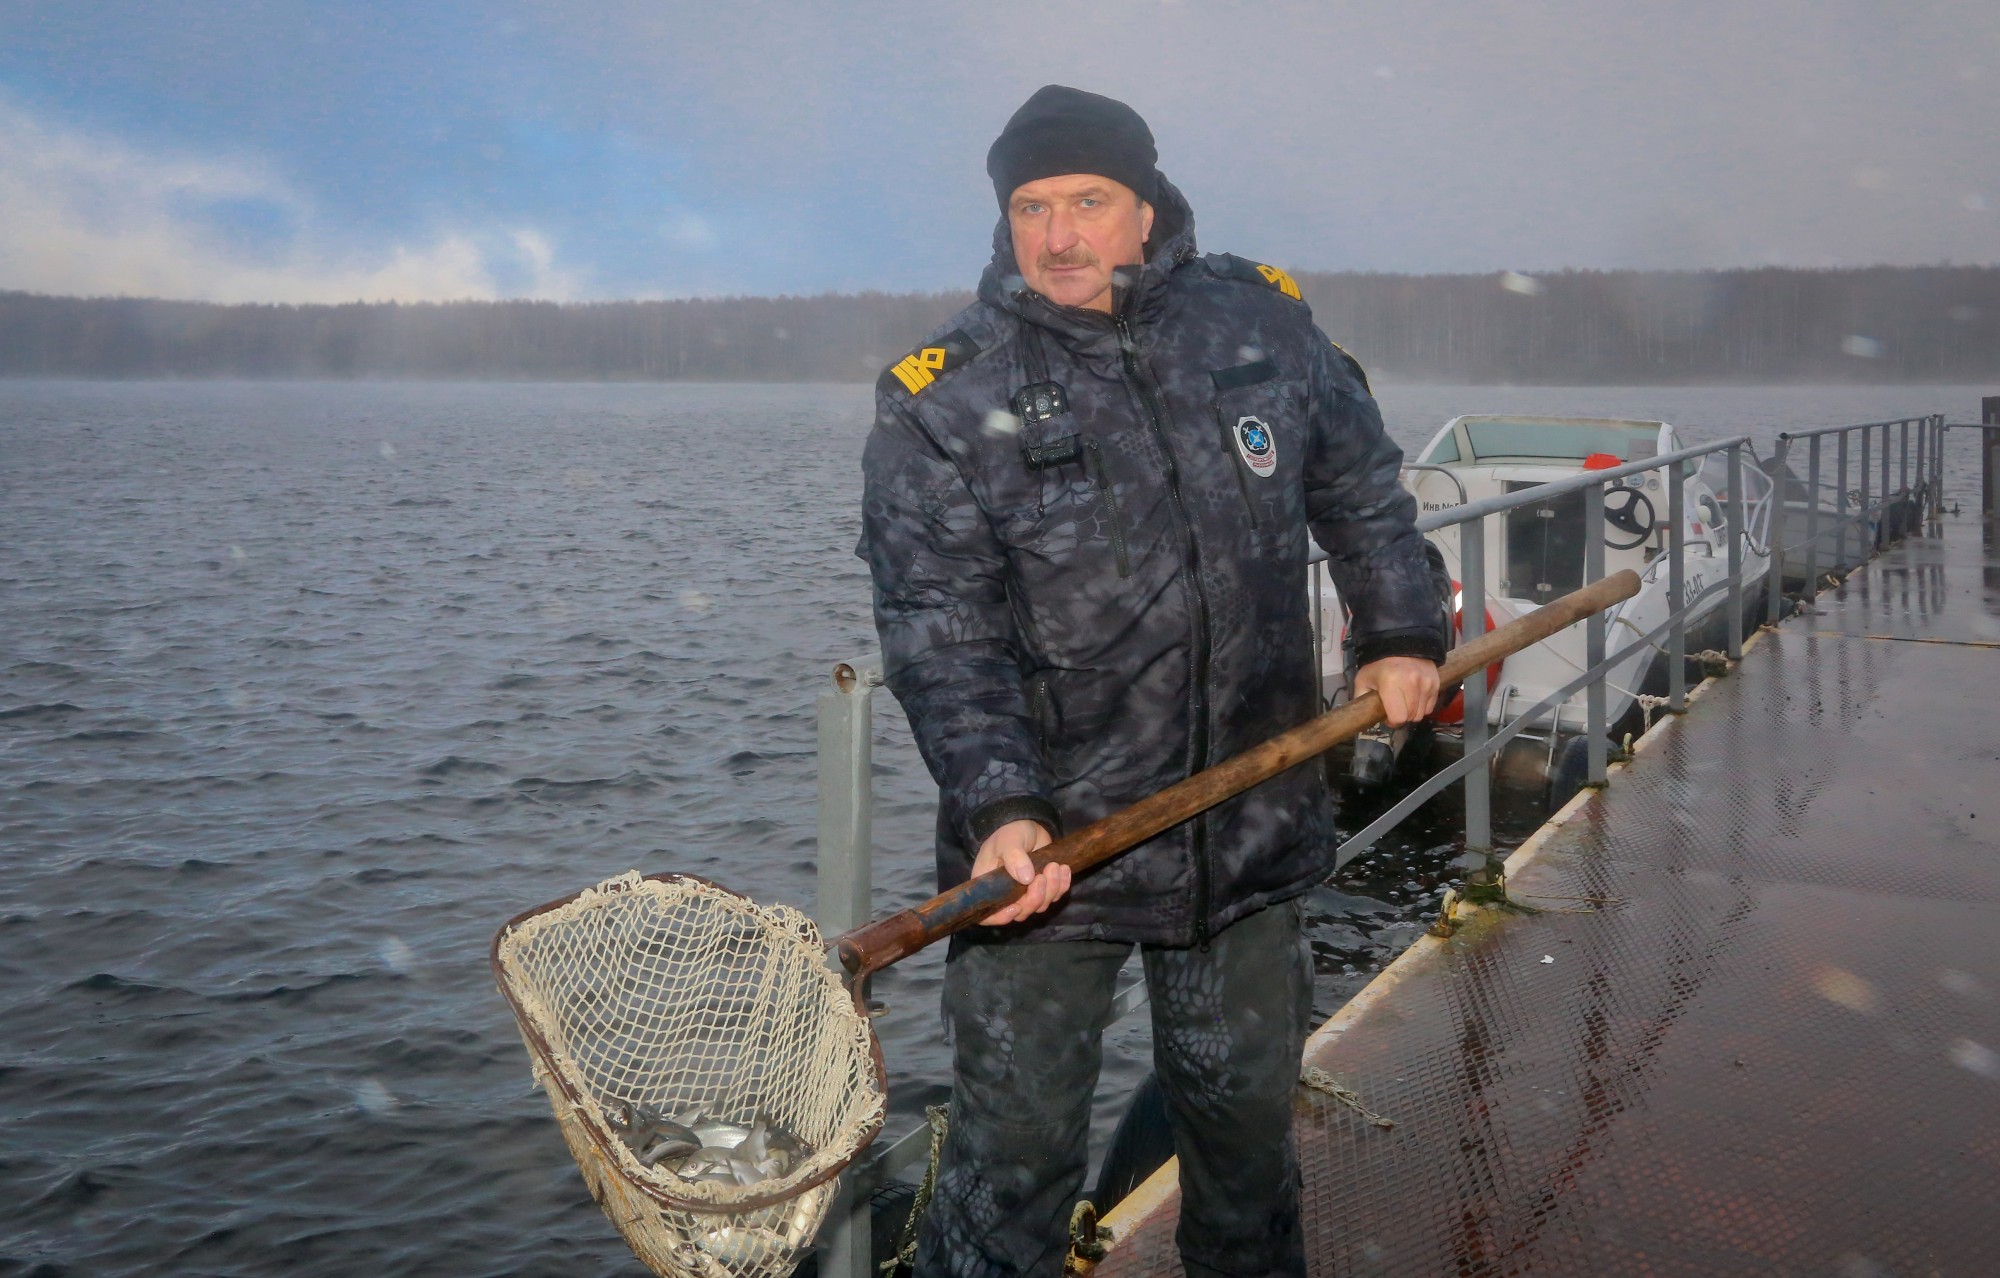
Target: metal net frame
668,992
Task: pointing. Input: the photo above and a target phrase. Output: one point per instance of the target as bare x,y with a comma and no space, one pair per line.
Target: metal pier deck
1773,1048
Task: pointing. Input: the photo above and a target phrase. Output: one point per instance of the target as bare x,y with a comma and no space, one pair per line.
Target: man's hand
1408,687
1009,846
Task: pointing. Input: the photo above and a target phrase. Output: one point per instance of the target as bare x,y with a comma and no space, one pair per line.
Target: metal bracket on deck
1087,1241
1488,894
1486,887
1446,926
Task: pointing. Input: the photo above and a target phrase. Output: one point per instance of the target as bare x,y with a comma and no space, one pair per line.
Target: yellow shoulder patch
926,364
1353,365
1230,266
1279,280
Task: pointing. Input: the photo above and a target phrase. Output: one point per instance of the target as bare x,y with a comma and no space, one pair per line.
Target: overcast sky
477,148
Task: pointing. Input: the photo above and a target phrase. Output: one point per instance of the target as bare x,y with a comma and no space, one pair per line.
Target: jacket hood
1138,292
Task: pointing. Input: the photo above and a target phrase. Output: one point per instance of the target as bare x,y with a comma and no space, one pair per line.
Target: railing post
846,816
1677,586
1472,589
1812,519
1937,470
1319,623
1989,459
1887,430
1593,635
1989,475
1937,467
1903,461
1738,530
1935,473
1840,500
1867,511
1933,445
846,806
1923,472
1774,608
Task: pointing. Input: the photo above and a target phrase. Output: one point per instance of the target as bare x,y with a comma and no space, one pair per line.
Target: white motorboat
1535,552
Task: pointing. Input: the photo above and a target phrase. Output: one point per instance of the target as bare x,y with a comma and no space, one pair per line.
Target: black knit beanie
1063,130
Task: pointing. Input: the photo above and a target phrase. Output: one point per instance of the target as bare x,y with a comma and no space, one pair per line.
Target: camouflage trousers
1028,1020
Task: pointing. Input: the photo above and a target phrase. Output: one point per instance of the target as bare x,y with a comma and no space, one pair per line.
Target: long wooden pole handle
875,945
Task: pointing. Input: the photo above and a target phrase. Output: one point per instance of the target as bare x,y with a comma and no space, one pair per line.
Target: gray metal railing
1482,743
845,711
1918,482
846,884
1989,465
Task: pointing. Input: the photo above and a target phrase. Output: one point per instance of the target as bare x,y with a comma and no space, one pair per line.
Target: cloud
660,147
690,231
88,214
1659,133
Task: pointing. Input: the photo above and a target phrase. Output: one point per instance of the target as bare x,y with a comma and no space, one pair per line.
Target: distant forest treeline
1876,324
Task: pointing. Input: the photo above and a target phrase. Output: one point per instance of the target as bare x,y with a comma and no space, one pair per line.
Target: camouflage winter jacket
1088,536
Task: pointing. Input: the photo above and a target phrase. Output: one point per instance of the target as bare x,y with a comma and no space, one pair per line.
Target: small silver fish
672,1142
720,1135
757,1144
622,1116
691,1145
704,1161
738,1244
627,1123
672,1130
802,1216
649,1134
781,1141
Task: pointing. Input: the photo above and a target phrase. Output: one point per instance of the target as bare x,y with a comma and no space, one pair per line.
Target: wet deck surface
1775,1050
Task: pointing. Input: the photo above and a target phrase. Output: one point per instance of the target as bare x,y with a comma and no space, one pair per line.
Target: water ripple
292,721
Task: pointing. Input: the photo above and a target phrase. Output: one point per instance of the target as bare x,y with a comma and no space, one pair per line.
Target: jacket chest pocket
1069,501
1260,429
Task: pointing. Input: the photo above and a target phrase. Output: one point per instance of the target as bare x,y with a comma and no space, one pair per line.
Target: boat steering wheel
1624,516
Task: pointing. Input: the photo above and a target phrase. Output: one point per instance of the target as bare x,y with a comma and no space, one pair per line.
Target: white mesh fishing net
669,994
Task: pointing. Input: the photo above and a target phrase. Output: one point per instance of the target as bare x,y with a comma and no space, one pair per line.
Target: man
1087,516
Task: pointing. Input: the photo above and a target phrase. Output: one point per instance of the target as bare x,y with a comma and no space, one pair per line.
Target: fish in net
711,1073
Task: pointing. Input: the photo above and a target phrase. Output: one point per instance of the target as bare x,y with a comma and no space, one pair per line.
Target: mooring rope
1592,904
939,1118
1319,1080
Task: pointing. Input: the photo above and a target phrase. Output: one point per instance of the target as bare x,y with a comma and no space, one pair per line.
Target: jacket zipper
1198,662
1103,481
1236,465
1039,708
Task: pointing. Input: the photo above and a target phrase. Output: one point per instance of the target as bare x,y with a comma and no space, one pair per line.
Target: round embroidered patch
1258,446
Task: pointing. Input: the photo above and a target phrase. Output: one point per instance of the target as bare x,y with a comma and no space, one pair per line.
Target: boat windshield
1495,438
1756,495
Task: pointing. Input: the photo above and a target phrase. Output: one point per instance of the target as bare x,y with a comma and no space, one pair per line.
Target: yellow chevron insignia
1279,280
926,364
920,368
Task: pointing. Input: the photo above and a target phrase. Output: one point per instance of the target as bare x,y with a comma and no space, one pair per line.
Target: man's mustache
1078,256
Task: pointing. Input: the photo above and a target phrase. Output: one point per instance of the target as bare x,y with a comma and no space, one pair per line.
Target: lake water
304,688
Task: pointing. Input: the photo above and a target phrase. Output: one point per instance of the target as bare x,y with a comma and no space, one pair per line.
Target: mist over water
305,688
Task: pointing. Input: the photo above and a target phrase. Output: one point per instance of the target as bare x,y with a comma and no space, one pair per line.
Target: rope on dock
1953,643
1319,1080
939,1118
1647,704
1595,903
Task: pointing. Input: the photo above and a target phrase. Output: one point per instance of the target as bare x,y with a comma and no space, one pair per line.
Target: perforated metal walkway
1775,1049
